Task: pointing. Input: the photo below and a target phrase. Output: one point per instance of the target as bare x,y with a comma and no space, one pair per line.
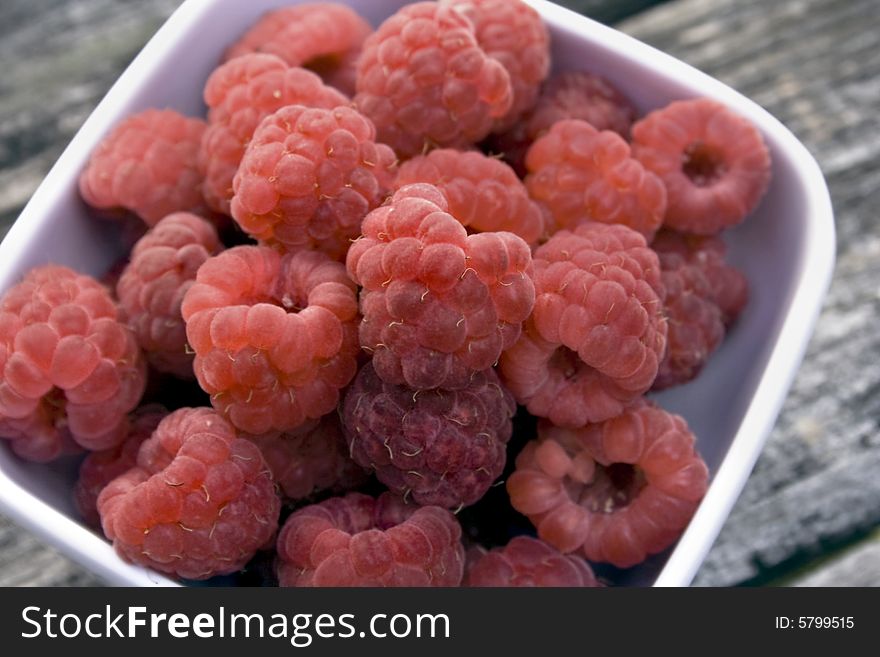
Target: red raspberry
163,267
484,194
148,165
342,542
513,33
442,447
713,162
438,304
580,174
424,81
323,36
308,178
730,288
526,561
567,95
619,490
596,336
275,336
199,503
100,468
69,369
703,294
240,94
310,459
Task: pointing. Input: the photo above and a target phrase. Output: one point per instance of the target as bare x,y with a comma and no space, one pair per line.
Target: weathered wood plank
815,64
59,60
858,566
27,561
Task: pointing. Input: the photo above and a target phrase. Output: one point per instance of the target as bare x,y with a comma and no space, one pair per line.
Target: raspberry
580,174
70,371
310,459
151,288
441,447
325,37
703,294
730,288
342,542
526,561
438,304
240,94
148,165
275,336
424,81
594,340
567,95
513,33
100,468
619,490
199,503
308,178
483,193
713,162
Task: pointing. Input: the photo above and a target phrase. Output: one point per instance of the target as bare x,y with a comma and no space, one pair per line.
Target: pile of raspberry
393,313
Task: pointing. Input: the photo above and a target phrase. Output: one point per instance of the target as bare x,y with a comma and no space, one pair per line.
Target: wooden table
810,512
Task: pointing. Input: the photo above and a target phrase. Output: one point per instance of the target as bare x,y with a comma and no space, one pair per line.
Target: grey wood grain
858,566
27,561
815,64
59,58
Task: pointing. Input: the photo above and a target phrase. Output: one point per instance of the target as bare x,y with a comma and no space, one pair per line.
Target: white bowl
786,249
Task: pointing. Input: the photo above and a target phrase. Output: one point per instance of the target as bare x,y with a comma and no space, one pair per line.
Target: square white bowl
786,249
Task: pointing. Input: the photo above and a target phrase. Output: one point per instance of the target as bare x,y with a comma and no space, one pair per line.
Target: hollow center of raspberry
567,362
613,487
323,64
290,303
55,403
703,164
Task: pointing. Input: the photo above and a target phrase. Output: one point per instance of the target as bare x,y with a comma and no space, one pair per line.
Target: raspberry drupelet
323,36
308,178
152,286
310,459
713,162
345,541
566,95
513,33
618,491
100,468
704,294
526,562
275,336
440,447
581,174
240,94
597,333
424,81
147,165
70,370
438,304
200,501
483,193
